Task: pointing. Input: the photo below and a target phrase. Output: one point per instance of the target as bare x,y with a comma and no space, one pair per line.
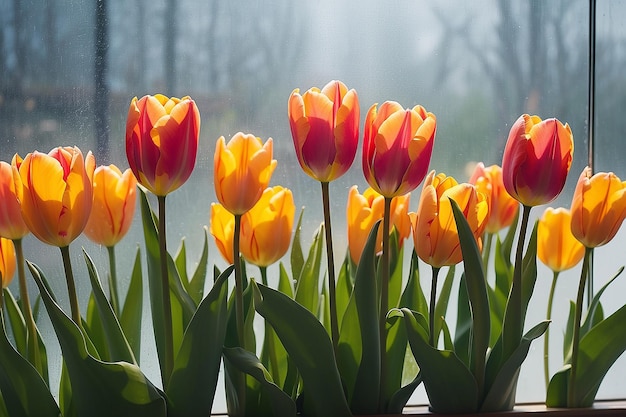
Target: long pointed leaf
130,319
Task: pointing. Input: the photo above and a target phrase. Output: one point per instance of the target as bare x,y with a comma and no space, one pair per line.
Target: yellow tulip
598,207
12,225
56,193
266,228
557,247
435,233
502,207
113,205
242,170
364,210
222,229
7,261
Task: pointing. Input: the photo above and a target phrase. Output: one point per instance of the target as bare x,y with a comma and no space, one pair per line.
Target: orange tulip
113,205
7,261
397,147
435,233
325,129
222,229
162,141
56,193
537,159
502,207
557,247
12,225
598,207
266,228
364,210
242,170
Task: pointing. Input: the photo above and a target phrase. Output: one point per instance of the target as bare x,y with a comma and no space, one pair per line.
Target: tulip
397,147
325,129
56,193
559,250
7,262
502,207
364,210
222,229
266,228
113,205
557,247
162,141
598,207
12,225
537,158
242,170
435,233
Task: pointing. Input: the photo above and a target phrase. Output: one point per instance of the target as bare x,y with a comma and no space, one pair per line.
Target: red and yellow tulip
7,261
242,170
598,207
266,228
557,247
162,141
435,233
537,159
113,205
12,225
364,210
502,207
325,129
56,193
397,147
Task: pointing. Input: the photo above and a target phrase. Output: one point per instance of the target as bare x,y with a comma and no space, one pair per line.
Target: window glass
476,65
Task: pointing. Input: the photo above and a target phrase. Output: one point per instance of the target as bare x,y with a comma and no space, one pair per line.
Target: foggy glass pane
476,65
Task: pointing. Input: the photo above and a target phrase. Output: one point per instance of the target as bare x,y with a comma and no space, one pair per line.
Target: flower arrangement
357,339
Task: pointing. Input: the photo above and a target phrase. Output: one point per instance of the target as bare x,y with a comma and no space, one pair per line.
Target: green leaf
307,287
194,378
130,319
24,391
297,255
500,393
441,307
180,260
284,282
463,332
17,322
247,362
117,345
457,392
99,388
595,314
345,284
308,344
195,287
365,399
177,289
529,271
477,293
413,296
349,348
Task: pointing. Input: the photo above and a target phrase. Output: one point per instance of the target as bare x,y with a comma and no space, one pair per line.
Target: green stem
168,362
590,290
115,303
546,337
269,337
384,302
571,387
332,299
71,286
239,311
32,340
487,250
513,322
433,301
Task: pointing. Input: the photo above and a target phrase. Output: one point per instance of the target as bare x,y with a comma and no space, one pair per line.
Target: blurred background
69,68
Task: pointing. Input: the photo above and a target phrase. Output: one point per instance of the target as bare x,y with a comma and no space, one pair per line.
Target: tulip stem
487,250
384,304
433,300
513,321
168,363
115,303
32,341
269,337
71,286
332,299
239,311
571,387
546,337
